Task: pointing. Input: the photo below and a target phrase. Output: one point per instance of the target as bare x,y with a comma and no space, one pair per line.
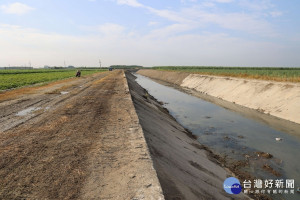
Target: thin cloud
111,29
223,1
169,31
276,13
202,16
200,33
152,23
237,21
132,3
105,29
256,5
185,1
19,43
16,8
168,14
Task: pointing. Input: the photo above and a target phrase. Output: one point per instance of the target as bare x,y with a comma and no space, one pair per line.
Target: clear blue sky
149,33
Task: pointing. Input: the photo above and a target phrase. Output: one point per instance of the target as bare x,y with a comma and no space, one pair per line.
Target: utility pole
65,63
100,63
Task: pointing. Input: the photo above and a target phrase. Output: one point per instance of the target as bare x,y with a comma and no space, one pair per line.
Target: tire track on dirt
46,160
90,146
50,98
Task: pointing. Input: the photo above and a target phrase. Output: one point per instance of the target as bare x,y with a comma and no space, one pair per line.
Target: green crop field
16,78
265,73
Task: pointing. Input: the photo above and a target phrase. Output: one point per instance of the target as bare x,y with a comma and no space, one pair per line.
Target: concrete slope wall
280,99
184,168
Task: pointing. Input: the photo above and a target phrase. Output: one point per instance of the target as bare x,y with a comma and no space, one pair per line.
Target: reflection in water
231,134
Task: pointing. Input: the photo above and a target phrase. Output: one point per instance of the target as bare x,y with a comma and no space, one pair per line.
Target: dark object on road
110,69
78,74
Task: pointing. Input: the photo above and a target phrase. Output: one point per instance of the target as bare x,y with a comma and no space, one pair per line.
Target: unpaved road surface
74,139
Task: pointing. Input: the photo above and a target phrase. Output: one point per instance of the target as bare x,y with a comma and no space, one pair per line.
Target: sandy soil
80,139
280,99
185,169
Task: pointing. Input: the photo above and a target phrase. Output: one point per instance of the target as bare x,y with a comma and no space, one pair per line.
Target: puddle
64,92
27,111
233,135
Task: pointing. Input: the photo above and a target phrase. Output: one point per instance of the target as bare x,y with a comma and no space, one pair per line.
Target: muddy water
232,135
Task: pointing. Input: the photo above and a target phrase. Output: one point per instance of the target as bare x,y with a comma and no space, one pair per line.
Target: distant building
53,67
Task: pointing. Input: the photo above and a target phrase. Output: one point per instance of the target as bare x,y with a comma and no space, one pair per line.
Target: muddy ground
74,139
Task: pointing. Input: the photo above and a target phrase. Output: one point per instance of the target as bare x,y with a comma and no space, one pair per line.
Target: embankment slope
183,167
280,99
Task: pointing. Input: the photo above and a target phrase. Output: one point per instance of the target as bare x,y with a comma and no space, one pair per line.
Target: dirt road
74,139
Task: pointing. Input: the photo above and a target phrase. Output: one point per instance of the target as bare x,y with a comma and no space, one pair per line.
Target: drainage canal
252,146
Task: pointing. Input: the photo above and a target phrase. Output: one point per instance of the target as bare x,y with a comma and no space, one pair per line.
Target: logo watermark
232,186
269,186
258,186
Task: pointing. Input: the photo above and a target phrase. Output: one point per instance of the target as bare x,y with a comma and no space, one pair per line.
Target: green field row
17,78
267,73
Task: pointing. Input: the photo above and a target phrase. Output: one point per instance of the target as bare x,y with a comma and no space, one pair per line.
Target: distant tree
126,66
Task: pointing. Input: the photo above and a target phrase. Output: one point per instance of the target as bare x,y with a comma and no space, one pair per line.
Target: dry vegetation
263,73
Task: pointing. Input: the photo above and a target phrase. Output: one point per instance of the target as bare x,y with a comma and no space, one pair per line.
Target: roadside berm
279,99
184,168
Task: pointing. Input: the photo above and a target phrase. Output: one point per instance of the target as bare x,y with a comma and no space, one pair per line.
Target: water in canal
230,134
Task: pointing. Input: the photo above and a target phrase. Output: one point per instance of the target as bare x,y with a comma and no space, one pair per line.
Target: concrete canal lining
279,99
184,168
